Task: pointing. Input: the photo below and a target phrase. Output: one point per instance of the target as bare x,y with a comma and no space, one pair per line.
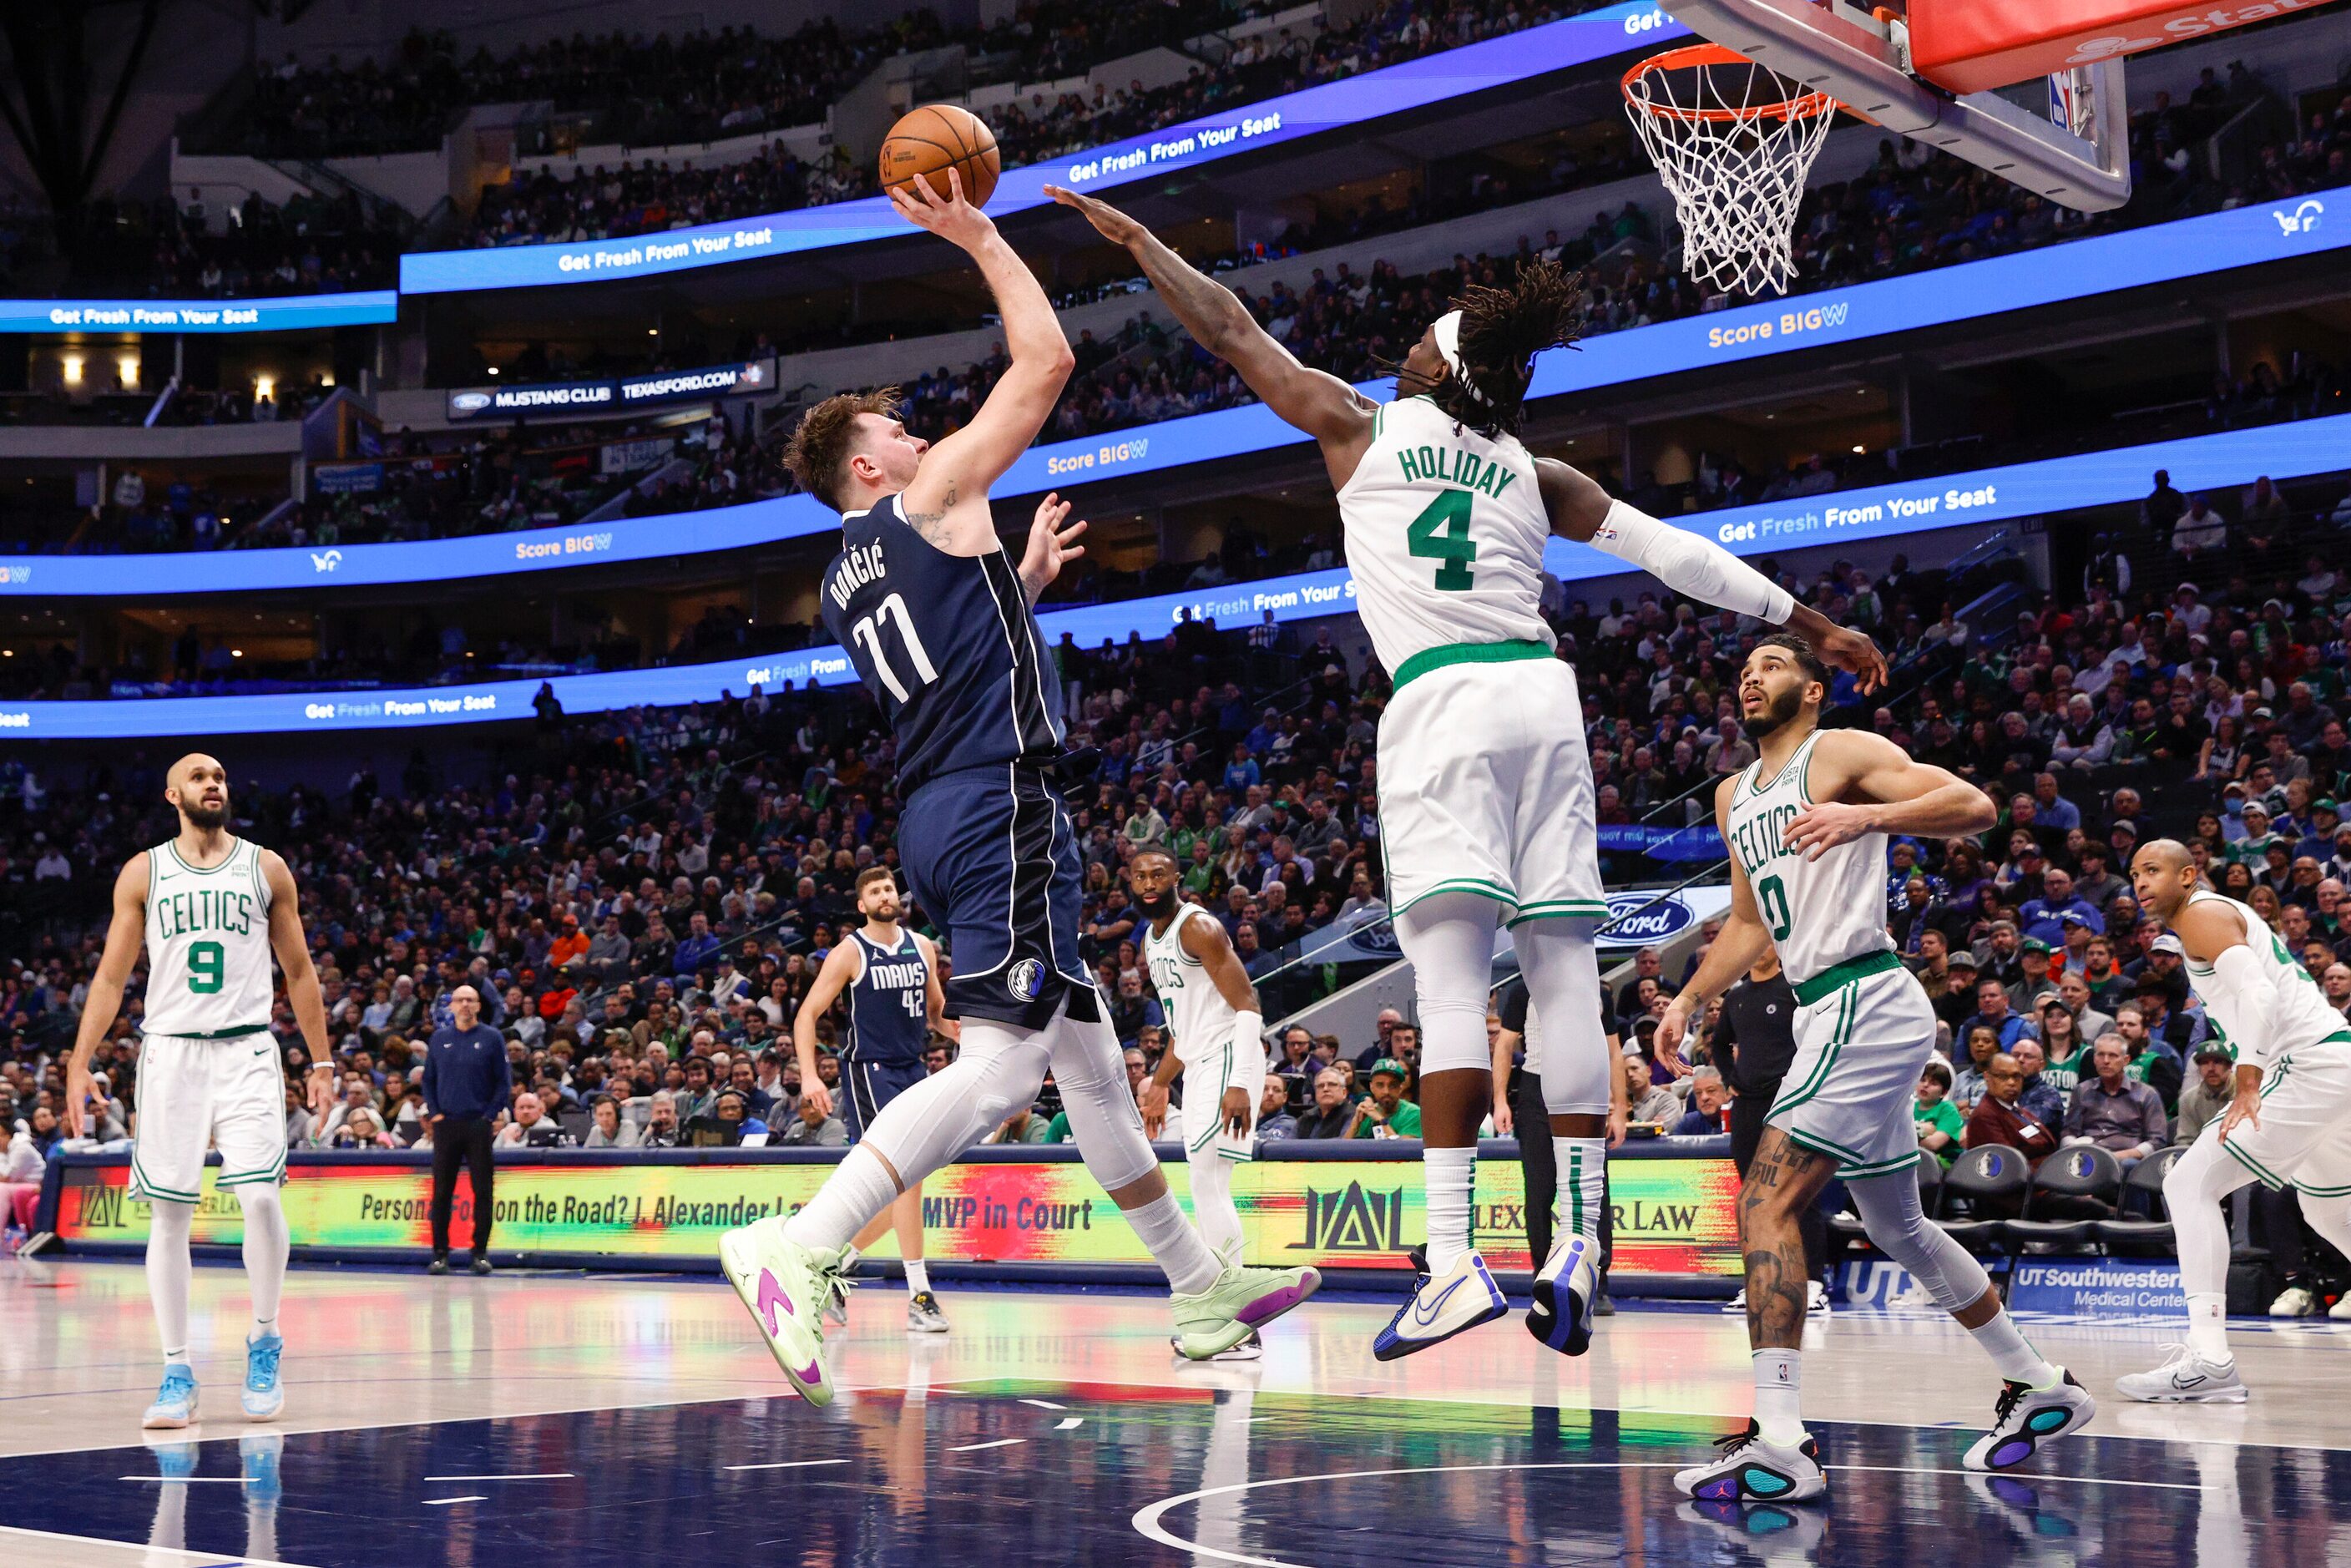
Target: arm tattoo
931,526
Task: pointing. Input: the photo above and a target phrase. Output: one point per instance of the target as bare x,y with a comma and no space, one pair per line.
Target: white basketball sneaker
2186,1379
1441,1306
2340,1311
2027,1417
1564,1292
786,1287
2294,1301
1230,1310
1751,1467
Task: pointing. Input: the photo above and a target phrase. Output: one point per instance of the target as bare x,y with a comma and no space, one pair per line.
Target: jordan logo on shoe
771,1296
1425,1314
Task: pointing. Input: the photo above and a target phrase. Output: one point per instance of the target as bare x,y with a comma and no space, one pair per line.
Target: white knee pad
997,1070
1897,1226
1450,940
1567,1045
1091,1072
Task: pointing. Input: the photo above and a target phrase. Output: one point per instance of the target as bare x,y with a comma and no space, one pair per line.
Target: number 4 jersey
1446,531
1485,784
208,945
947,645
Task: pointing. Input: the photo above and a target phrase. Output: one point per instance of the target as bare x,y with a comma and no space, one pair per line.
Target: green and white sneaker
1237,1305
786,1287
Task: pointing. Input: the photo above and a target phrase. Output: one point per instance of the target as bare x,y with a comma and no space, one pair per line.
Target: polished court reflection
471,1422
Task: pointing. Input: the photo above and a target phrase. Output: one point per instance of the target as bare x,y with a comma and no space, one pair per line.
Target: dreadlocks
1503,330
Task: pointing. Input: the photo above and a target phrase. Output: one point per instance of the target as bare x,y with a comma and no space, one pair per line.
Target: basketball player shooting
939,623
1487,804
210,908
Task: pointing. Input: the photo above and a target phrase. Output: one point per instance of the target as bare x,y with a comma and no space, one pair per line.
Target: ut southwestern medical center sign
2233,457
1453,73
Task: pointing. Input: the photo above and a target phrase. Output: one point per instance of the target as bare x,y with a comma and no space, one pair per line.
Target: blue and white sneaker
258,1453
1438,1308
1565,1293
265,1396
1752,1468
175,1403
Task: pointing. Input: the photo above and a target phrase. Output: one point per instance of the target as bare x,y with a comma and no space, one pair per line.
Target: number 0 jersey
1445,531
1820,913
947,645
208,943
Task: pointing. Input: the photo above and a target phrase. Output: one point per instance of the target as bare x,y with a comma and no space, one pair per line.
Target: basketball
936,137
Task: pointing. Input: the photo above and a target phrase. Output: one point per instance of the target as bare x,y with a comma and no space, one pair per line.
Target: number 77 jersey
1445,531
947,645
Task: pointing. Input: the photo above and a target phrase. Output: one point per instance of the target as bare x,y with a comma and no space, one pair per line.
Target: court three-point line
548,1476
975,1448
446,1501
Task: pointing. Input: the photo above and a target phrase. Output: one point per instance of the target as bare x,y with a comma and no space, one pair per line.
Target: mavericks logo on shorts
1023,979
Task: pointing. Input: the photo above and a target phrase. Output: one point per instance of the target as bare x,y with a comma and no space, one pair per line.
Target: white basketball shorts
1204,1136
196,1094
1485,787
2303,1139
1863,1031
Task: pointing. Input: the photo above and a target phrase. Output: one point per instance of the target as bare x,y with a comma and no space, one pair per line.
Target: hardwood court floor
628,1420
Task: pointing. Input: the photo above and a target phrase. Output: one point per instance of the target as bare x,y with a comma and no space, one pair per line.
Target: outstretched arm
952,484
1898,795
1321,404
1695,567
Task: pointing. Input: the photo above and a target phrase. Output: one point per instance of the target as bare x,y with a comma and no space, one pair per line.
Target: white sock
1779,1396
267,1244
918,1277
1583,1188
2208,1318
1191,1268
1449,1175
168,1273
1212,1206
858,1188
2017,1360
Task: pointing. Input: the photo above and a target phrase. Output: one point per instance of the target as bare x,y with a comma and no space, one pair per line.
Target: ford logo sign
1639,919
468,402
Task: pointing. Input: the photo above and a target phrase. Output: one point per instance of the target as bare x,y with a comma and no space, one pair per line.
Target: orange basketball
938,137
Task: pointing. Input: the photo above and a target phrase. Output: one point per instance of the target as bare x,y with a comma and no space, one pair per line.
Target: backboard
2077,154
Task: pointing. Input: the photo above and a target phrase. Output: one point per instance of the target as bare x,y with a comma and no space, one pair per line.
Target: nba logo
1022,977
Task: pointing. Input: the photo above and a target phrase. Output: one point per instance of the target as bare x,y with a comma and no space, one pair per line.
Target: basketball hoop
1733,143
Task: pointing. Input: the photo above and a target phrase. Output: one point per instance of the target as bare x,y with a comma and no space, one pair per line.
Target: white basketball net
1733,143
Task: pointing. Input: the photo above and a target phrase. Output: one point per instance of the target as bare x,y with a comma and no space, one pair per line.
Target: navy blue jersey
946,643
888,1003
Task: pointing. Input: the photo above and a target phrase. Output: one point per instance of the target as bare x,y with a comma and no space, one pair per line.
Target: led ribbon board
1985,496
1394,90
368,307
2247,236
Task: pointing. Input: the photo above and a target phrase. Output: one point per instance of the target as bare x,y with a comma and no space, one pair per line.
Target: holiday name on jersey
1452,465
860,564
209,909
1761,839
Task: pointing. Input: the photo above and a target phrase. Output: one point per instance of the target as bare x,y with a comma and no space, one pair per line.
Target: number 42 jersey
947,645
1445,532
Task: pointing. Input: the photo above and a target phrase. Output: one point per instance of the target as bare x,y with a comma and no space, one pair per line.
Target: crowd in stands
642,898
309,244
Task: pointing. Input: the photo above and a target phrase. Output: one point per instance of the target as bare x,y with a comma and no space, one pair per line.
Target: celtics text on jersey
1821,912
208,943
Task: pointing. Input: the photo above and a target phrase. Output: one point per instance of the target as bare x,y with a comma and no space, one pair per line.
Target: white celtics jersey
2297,1010
1198,1017
1820,913
208,943
1445,536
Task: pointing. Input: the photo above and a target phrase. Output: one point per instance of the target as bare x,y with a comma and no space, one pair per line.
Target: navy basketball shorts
992,856
867,1086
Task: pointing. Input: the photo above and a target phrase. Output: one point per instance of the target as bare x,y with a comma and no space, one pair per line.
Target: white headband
1448,329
